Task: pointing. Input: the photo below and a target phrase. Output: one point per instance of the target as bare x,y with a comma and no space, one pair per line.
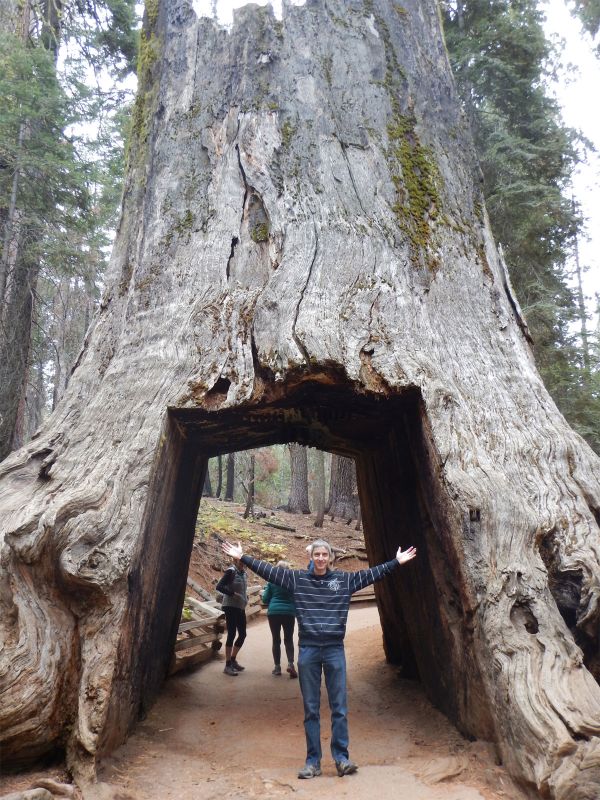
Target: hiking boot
276,670
345,768
309,771
230,670
292,671
237,667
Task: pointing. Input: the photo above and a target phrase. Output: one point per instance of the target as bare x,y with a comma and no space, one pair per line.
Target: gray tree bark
249,510
298,500
343,498
304,256
219,476
319,488
230,476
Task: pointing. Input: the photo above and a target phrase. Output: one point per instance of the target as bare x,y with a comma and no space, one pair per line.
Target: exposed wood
202,638
190,659
193,624
198,589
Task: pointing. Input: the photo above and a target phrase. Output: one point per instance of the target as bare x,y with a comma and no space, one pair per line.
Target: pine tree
588,12
502,62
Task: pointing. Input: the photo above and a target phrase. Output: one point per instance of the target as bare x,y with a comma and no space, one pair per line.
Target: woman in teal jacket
281,613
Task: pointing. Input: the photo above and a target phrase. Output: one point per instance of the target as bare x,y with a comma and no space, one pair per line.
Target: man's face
320,557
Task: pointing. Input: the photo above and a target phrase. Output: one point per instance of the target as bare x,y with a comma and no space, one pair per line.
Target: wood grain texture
303,213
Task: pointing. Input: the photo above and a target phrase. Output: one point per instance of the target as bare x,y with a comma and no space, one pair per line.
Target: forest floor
210,736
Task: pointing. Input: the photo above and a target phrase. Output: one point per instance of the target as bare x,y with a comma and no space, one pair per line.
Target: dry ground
211,736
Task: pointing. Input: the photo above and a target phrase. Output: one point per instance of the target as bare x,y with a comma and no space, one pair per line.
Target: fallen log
280,526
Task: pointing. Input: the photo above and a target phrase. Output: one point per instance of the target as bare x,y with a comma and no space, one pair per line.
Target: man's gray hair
321,543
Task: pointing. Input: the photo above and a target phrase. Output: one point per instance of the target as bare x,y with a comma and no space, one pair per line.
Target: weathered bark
319,490
343,498
298,499
304,256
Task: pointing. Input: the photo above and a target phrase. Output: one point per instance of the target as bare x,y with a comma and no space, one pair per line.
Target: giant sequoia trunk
304,256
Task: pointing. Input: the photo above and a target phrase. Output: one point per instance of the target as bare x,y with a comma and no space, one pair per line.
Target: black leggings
276,623
236,622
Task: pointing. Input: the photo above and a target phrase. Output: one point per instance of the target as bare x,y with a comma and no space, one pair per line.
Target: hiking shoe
237,667
309,771
345,768
230,670
292,671
276,670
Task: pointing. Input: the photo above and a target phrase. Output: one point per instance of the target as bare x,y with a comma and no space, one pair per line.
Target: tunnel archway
403,502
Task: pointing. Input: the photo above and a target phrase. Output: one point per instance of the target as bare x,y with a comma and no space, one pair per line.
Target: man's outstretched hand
407,555
233,550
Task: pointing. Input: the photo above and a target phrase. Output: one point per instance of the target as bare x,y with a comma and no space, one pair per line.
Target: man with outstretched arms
322,598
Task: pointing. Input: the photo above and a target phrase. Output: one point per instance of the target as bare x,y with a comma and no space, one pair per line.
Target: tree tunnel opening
403,503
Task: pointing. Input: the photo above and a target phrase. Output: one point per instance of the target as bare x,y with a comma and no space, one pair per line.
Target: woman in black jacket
234,588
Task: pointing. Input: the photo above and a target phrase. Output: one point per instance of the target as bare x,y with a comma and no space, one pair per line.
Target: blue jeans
330,659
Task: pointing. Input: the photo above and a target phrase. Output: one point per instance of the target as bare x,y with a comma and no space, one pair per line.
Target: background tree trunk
319,488
249,510
230,482
298,499
343,497
358,525
219,476
15,338
318,268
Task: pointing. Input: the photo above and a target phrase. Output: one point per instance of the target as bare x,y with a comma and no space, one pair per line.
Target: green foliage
101,34
588,12
53,183
502,62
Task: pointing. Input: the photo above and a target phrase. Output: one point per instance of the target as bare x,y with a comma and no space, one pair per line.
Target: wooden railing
199,638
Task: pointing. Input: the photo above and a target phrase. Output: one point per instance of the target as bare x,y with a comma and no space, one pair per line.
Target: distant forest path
212,736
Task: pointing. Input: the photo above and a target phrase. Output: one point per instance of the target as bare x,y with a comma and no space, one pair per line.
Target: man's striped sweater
322,602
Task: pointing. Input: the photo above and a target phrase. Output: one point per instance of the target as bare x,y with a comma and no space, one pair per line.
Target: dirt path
211,736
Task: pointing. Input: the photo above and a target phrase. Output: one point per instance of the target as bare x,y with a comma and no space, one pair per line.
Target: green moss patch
260,232
415,175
